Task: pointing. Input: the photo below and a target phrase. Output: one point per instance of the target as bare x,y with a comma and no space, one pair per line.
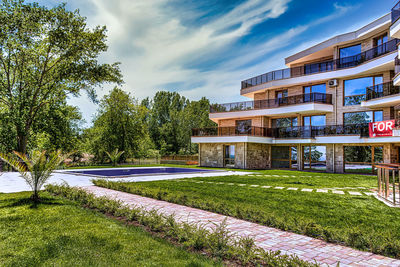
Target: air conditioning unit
333,83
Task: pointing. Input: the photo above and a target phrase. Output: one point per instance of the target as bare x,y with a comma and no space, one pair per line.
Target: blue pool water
138,171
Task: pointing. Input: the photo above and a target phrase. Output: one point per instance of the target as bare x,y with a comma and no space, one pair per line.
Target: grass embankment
59,232
358,221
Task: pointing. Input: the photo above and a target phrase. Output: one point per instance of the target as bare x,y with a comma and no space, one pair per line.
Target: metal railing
388,183
272,103
381,90
285,132
396,12
325,66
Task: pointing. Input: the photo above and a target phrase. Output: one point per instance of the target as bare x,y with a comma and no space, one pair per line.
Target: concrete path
11,182
268,238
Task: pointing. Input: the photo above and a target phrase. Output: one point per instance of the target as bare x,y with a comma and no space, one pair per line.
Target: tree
114,156
119,124
45,55
36,168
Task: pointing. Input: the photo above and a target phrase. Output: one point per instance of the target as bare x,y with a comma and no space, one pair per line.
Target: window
378,43
318,67
243,126
229,156
319,120
362,117
362,159
314,157
350,51
284,157
281,94
355,89
319,88
284,122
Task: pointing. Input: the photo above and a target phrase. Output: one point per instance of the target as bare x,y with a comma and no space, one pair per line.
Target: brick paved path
304,247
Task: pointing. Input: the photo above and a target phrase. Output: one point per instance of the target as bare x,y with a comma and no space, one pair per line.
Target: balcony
382,95
303,104
321,67
285,133
395,27
396,12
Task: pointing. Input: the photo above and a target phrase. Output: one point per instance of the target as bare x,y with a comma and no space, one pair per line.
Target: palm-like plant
36,168
115,156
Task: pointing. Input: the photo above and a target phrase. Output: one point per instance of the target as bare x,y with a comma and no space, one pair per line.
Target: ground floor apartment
334,158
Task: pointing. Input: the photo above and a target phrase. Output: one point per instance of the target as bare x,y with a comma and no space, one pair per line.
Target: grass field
60,233
358,221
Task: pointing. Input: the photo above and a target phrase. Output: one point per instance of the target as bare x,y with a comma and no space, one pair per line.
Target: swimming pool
126,172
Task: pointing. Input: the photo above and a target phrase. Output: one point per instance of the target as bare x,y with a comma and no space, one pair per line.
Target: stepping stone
337,192
292,188
355,193
255,185
199,182
266,186
362,187
369,193
276,175
279,187
285,175
231,184
242,185
307,190
322,190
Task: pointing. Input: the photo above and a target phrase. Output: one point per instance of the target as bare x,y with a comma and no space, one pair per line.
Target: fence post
394,186
379,180
386,183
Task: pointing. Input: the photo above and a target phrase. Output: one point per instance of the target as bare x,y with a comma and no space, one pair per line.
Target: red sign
381,128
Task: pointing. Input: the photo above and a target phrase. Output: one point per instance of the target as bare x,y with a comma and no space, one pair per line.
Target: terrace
272,103
325,66
283,133
382,95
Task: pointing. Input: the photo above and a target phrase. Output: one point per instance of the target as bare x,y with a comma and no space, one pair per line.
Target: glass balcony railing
381,90
360,129
272,103
396,12
320,67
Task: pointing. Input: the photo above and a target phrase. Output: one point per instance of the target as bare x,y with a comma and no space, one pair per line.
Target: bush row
218,242
379,242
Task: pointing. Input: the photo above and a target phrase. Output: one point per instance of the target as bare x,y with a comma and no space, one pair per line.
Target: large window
243,126
284,157
355,89
362,159
350,51
319,120
284,122
314,157
362,117
378,43
229,156
281,93
319,88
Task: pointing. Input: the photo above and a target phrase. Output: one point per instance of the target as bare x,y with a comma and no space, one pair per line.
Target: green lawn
58,232
358,221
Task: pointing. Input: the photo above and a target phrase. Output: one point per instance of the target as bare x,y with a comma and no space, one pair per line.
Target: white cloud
155,46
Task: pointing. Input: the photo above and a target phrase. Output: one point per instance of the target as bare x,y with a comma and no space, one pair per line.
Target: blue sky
206,48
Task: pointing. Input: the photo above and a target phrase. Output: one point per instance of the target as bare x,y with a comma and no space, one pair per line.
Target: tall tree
46,54
119,124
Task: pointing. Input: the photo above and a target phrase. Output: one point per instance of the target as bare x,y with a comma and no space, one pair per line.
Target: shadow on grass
18,202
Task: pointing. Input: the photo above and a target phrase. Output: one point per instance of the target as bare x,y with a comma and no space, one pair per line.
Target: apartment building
334,109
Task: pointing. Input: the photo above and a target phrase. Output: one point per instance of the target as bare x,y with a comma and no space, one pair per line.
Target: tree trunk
22,142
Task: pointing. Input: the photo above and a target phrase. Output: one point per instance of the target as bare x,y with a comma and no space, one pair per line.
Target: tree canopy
45,55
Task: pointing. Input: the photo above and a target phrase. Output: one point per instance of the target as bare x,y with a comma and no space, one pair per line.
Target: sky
206,48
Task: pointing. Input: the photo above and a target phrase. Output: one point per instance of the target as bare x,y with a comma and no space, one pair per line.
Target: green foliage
361,222
217,242
119,124
46,55
171,118
35,169
115,156
59,232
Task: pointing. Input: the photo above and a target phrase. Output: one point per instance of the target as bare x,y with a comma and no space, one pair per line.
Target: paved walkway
304,247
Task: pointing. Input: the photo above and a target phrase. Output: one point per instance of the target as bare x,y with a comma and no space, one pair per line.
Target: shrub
217,242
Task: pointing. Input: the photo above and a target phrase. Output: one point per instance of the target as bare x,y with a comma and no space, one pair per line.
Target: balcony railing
320,67
287,132
273,103
396,65
396,12
381,90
